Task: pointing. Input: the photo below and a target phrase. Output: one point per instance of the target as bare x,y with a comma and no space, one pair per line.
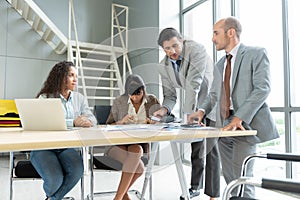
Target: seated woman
61,169
133,107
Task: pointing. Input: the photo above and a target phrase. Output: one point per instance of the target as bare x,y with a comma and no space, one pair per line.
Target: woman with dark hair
135,106
61,169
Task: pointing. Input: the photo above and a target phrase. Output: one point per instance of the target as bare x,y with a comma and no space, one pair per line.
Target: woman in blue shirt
61,169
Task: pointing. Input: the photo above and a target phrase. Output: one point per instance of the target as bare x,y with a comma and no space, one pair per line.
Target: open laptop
41,114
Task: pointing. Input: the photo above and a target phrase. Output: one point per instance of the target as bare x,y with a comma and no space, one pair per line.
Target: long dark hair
56,78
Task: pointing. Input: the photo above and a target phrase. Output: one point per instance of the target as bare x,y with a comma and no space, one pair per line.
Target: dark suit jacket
250,88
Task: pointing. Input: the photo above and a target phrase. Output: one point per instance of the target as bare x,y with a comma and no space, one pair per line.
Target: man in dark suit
188,66
249,88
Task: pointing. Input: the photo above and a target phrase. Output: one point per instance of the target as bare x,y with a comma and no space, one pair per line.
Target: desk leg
181,176
91,196
11,174
148,174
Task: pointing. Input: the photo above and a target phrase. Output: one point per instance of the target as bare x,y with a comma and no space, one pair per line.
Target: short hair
133,84
167,34
232,22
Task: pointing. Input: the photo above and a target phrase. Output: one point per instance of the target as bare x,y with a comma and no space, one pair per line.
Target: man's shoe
193,193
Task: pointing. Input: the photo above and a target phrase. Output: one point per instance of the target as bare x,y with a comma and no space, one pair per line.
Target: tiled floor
165,185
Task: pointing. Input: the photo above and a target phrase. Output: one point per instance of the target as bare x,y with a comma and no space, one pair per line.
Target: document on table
134,127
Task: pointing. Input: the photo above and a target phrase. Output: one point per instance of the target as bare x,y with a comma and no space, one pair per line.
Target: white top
140,116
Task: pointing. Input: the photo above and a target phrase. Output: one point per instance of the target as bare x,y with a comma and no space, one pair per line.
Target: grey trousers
206,149
233,151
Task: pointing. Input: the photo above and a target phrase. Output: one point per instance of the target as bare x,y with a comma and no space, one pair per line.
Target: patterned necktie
226,104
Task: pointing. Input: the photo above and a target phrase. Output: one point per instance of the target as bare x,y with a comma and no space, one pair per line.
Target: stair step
93,51
99,69
100,98
48,35
98,78
99,88
96,61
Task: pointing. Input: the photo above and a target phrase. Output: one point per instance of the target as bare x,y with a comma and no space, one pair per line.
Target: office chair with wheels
286,186
105,163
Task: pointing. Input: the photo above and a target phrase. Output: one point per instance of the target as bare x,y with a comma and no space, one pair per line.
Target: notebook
41,114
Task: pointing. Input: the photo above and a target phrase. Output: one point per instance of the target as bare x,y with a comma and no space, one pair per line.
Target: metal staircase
99,77
39,22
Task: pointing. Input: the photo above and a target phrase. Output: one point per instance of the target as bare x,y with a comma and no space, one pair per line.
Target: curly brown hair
56,79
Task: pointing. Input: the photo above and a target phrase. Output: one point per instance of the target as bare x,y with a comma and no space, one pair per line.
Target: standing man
188,66
249,87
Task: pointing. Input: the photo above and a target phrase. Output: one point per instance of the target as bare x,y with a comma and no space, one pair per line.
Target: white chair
287,186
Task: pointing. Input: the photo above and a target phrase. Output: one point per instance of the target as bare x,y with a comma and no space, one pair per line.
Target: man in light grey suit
188,66
249,89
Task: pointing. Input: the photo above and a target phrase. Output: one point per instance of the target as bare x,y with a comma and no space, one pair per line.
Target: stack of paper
9,116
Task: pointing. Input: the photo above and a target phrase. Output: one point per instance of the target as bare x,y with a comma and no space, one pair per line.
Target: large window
195,28
294,46
271,24
265,30
294,49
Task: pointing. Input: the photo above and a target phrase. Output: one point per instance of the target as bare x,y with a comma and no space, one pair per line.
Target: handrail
115,19
78,55
39,13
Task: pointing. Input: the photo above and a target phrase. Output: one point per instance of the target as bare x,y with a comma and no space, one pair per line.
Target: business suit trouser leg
233,151
212,168
197,160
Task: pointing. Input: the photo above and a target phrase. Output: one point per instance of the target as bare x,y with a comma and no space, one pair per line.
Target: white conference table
15,139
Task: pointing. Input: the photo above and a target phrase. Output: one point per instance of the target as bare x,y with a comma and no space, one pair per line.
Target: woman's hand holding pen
82,121
128,119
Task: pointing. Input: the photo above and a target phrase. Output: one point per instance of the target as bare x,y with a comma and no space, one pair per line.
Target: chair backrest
101,113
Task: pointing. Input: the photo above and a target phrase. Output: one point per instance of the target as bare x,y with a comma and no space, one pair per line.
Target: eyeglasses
174,46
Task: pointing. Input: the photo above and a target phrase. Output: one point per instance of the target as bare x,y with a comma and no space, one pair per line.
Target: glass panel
223,9
294,46
265,30
295,130
267,168
198,25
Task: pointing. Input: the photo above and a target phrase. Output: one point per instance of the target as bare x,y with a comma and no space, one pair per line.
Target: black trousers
206,149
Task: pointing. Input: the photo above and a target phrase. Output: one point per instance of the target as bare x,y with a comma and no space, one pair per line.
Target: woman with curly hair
61,169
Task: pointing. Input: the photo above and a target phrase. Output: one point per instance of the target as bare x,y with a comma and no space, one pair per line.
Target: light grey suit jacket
250,88
195,74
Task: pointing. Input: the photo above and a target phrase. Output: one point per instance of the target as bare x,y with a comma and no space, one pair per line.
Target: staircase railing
118,29
37,19
97,50
103,70
78,54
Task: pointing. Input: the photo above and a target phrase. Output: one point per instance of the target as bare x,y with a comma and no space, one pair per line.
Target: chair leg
82,187
11,175
91,195
150,188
